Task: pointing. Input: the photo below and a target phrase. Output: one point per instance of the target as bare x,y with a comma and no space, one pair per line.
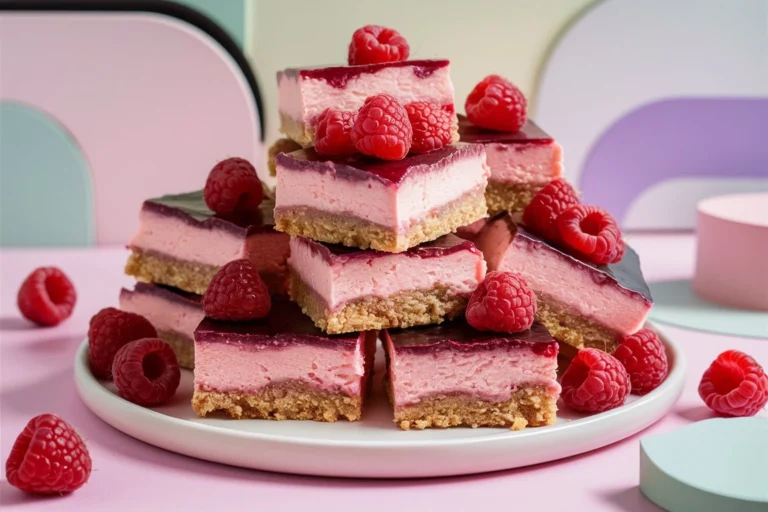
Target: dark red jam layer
530,133
338,76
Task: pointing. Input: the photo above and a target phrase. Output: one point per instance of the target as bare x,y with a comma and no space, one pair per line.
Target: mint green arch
230,14
46,193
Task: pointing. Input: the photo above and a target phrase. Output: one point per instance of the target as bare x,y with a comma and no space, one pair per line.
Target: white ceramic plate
373,447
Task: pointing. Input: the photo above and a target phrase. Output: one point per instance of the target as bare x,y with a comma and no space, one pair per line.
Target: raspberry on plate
734,385
590,233
46,297
645,359
233,186
110,329
48,457
382,128
373,44
237,293
496,104
504,302
146,372
595,381
540,216
432,126
333,133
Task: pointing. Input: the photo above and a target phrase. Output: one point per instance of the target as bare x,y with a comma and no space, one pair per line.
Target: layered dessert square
384,205
581,304
347,290
303,94
181,243
174,314
281,367
453,375
521,163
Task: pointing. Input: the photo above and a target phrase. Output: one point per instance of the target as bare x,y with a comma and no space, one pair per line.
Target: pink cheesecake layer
534,164
346,275
165,310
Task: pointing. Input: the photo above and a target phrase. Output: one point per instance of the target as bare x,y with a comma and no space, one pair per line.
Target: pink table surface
36,377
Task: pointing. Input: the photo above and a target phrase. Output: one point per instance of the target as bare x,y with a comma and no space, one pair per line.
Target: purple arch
676,138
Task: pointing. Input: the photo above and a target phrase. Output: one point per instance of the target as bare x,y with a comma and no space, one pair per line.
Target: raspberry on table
504,302
46,297
333,133
233,186
496,104
373,44
382,128
432,126
237,293
540,216
645,360
590,233
595,381
110,329
734,385
146,372
48,457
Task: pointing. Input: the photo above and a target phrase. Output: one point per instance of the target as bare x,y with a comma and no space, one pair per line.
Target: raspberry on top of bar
304,93
281,367
182,243
389,206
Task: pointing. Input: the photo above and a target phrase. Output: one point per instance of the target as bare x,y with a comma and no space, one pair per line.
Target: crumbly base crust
509,197
280,146
344,229
298,131
572,328
183,347
154,268
293,400
527,407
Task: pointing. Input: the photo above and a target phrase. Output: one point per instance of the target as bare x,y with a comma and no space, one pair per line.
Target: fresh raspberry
110,329
46,297
734,385
373,44
48,457
595,381
237,293
146,371
645,360
590,233
432,126
332,133
382,128
503,303
233,185
496,104
540,216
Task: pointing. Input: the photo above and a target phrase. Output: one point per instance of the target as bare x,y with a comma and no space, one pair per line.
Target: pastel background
657,103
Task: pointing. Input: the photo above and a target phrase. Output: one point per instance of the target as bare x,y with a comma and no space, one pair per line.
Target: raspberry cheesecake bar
303,94
174,314
453,375
281,367
182,243
521,163
582,304
384,205
347,290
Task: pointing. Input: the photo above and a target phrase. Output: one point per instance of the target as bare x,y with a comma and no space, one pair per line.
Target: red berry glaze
645,360
734,385
382,129
46,297
146,372
496,104
233,186
48,457
373,44
594,382
540,216
110,329
237,293
590,233
432,126
504,302
333,133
